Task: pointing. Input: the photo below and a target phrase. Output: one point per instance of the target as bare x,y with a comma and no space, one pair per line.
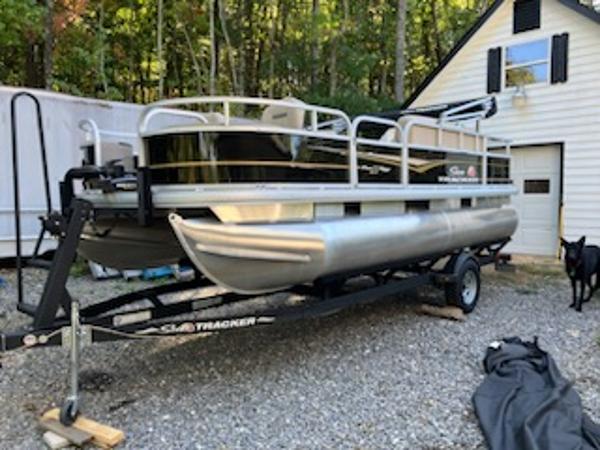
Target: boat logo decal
460,174
205,326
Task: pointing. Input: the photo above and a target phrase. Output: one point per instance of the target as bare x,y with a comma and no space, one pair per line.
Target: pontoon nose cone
250,259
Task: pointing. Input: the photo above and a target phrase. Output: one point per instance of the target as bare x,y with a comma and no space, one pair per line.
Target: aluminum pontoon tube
253,259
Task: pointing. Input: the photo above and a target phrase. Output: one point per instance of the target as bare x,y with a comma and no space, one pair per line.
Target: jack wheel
464,292
69,413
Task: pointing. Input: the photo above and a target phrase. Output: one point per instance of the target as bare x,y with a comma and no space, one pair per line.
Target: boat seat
214,118
427,135
389,135
285,116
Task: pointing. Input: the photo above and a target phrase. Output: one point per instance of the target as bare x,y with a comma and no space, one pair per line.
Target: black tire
464,292
68,413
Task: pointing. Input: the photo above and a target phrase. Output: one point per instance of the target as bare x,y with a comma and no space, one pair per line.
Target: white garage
541,60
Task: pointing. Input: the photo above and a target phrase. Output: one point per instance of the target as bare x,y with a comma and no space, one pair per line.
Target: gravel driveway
382,376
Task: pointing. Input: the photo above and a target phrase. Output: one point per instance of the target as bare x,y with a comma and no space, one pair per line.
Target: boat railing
412,132
95,136
435,136
395,143
226,102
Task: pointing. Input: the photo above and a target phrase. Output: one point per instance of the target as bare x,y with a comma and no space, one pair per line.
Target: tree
400,44
48,43
359,55
213,51
159,53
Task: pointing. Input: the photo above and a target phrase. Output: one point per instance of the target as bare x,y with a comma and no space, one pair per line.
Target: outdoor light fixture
519,98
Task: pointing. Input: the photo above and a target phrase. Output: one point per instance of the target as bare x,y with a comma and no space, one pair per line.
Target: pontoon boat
265,194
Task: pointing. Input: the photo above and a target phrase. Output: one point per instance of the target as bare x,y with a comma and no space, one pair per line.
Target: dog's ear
581,241
563,242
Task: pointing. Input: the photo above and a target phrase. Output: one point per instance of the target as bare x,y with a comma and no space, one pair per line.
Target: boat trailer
60,320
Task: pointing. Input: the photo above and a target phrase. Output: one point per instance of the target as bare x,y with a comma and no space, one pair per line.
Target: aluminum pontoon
296,199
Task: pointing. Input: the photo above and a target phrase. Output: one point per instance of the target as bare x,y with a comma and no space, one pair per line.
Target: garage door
536,173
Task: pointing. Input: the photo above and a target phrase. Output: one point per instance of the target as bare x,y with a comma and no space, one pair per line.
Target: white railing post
90,126
314,120
226,112
405,155
353,155
484,162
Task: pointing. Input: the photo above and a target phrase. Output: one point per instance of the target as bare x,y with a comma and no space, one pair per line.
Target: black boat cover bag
525,403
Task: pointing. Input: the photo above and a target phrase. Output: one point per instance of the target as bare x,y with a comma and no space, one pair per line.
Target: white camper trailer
106,130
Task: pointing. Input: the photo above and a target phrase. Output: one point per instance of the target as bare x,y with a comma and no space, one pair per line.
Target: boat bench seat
427,135
285,116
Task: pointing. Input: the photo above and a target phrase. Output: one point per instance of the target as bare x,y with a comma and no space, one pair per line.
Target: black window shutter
526,15
494,81
560,58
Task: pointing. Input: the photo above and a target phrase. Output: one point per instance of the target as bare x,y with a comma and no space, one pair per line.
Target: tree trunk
284,24
159,42
229,48
101,37
400,62
213,53
436,33
48,43
314,45
194,58
272,36
333,68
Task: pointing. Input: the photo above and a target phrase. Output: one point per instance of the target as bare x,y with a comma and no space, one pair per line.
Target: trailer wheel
69,413
464,292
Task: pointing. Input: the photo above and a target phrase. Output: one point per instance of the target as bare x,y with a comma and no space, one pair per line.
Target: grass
79,268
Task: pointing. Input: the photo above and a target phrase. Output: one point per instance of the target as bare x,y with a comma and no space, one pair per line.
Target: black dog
582,262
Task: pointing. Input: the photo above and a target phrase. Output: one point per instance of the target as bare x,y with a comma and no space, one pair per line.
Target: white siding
563,113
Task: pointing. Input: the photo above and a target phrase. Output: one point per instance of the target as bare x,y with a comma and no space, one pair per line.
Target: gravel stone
381,376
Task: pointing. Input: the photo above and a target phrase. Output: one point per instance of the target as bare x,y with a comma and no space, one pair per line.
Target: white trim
198,196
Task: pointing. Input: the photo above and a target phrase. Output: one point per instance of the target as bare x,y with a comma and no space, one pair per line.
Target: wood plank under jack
73,435
445,312
102,435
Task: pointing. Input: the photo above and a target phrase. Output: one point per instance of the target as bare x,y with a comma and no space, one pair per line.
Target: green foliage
353,102
21,25
339,55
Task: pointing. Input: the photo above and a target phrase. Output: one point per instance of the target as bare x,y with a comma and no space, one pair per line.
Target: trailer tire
69,413
464,291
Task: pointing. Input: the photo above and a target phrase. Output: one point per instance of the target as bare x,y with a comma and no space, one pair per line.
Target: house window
527,63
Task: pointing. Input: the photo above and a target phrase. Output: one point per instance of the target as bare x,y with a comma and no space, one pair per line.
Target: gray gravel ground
381,376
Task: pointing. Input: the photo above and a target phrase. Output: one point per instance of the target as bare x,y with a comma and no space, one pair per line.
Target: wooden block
446,312
73,435
54,441
102,435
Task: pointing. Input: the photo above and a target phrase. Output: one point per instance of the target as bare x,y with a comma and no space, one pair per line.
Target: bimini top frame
447,134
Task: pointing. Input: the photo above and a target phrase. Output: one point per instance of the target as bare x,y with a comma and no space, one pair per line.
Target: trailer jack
70,408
